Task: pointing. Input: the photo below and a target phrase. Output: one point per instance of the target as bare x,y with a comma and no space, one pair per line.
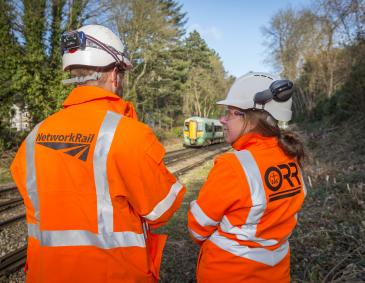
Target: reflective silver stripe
103,142
31,181
33,231
164,204
86,238
200,216
257,254
196,235
227,227
247,231
105,238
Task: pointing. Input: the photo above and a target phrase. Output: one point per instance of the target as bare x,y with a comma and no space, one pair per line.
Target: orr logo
73,144
275,176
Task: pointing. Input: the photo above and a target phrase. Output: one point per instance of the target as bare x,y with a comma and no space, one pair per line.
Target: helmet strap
256,108
80,80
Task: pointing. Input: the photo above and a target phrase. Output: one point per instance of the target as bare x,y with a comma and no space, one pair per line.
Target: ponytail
264,124
291,144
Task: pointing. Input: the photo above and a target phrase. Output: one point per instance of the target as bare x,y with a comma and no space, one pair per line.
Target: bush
177,132
11,138
161,134
347,102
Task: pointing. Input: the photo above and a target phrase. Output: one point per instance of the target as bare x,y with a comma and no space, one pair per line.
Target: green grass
180,253
5,161
329,242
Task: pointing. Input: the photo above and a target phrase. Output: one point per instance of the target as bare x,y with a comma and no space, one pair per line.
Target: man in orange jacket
92,177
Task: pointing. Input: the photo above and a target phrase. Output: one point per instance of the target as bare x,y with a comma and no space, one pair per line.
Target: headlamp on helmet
71,41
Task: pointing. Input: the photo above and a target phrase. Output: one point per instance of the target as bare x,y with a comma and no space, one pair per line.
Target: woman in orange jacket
247,209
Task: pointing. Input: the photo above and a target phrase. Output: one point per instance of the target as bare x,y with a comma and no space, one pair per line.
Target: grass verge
329,242
180,254
5,161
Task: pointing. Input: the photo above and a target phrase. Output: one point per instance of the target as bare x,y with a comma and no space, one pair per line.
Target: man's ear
115,77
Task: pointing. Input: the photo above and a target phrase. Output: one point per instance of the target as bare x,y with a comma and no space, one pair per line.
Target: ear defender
280,91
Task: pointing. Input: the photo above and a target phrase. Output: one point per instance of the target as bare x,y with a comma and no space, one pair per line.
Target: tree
146,28
310,47
206,80
37,80
151,31
9,57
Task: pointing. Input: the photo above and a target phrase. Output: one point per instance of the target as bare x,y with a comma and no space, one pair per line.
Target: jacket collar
254,140
82,94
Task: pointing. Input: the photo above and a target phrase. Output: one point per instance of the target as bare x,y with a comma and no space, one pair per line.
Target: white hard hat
93,46
242,95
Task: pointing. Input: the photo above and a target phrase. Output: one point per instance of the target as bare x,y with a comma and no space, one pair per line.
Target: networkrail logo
74,144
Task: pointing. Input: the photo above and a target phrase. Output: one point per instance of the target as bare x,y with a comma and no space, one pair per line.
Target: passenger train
200,131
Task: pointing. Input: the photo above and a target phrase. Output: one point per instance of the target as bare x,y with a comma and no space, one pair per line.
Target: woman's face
233,124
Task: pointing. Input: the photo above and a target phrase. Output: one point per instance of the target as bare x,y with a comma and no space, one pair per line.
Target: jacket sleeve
18,172
151,189
219,193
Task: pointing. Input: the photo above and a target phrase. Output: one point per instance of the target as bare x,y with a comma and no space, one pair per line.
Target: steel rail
12,220
12,261
10,203
8,189
173,158
174,152
184,170
195,151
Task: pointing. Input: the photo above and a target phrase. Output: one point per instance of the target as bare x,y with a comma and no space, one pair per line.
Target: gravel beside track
13,236
17,277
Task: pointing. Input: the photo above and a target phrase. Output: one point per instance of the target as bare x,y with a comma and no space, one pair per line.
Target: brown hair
263,123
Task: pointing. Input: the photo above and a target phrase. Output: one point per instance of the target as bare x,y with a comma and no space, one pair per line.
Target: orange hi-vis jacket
245,213
93,180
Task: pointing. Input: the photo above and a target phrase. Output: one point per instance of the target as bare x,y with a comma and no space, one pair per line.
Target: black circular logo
273,178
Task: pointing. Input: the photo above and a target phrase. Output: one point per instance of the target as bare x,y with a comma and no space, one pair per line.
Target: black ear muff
263,97
280,91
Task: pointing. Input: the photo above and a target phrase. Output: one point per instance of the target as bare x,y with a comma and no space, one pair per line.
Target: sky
233,29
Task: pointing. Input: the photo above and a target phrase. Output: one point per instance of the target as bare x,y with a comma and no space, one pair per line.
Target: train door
192,130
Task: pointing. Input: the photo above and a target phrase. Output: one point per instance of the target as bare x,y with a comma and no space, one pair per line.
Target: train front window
208,128
218,128
200,126
186,126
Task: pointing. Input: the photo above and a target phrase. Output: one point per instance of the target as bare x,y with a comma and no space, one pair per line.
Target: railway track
190,167
184,154
10,203
6,188
14,260
12,220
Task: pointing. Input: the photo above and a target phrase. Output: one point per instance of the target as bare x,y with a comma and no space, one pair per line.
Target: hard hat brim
279,112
